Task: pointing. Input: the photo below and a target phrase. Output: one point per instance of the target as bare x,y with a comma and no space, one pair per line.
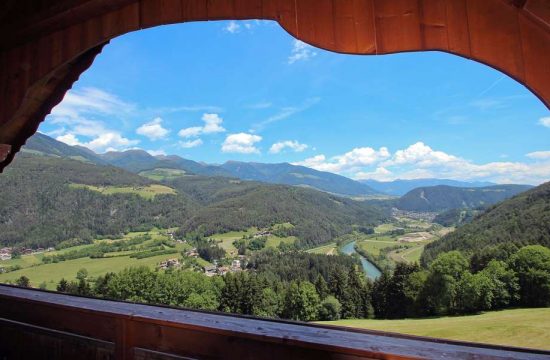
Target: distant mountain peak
137,160
445,197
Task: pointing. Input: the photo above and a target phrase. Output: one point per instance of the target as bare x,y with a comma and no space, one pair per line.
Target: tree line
308,287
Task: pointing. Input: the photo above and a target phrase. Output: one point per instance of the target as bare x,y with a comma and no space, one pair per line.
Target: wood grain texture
209,335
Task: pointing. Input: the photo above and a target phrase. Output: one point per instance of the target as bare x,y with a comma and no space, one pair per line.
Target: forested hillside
47,200
288,174
318,217
139,160
457,217
39,207
400,187
521,220
442,197
44,145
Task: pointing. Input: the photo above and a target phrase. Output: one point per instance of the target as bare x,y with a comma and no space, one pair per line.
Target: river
370,270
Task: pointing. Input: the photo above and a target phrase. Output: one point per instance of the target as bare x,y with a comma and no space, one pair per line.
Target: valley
249,238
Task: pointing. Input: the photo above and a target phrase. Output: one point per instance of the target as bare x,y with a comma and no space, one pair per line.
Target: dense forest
308,287
521,220
443,197
457,217
39,207
317,217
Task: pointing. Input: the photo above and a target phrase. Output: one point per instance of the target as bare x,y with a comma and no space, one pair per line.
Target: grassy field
384,228
329,249
518,327
37,272
226,239
147,192
374,246
52,273
162,174
410,255
274,241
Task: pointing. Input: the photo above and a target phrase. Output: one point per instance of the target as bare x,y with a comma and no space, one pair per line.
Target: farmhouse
192,253
236,264
262,233
169,264
210,270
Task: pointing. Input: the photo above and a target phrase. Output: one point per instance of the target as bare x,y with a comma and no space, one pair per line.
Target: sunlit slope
519,327
521,220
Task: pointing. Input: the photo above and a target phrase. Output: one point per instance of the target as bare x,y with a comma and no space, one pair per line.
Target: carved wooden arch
46,44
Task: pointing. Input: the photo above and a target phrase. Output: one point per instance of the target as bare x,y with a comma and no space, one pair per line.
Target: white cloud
545,121
348,162
190,144
313,162
153,129
73,115
300,52
380,174
212,124
539,155
421,155
190,132
109,141
156,152
232,27
90,100
241,143
290,144
69,139
421,161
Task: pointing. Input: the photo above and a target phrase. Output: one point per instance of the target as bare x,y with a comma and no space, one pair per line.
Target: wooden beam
201,334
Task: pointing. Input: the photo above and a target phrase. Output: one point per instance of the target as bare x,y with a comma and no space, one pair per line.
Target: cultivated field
32,266
38,272
329,249
147,192
518,327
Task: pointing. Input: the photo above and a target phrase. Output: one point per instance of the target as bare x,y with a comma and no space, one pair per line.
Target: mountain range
54,192
400,187
444,197
139,161
47,200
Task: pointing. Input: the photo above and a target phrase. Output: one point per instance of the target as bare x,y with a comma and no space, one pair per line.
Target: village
415,215
7,253
209,270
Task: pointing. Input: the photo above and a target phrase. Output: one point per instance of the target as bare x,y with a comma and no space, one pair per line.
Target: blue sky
218,91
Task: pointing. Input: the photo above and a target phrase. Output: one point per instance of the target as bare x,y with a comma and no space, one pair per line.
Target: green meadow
147,192
517,327
33,268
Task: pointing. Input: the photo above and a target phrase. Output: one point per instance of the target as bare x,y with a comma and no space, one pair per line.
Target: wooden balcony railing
37,324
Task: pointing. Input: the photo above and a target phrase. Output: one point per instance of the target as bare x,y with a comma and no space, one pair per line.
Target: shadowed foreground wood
60,326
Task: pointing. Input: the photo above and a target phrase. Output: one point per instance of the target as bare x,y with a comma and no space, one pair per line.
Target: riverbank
370,269
369,258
